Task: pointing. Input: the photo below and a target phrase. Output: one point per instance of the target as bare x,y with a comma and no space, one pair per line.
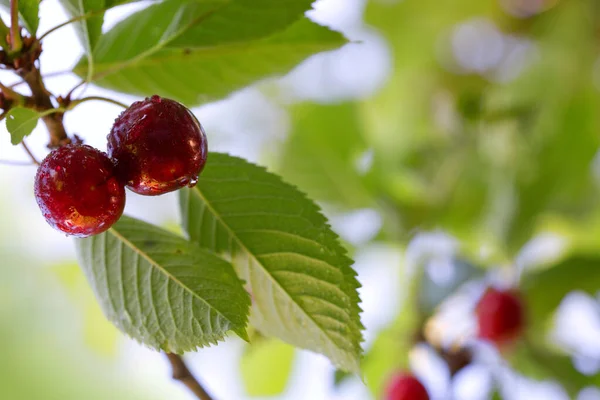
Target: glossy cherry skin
500,316
404,386
78,192
158,146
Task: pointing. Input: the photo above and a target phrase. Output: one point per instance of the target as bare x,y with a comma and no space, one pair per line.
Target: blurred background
453,145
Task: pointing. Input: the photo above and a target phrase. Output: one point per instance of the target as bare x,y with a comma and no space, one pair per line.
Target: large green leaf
193,24
28,13
302,284
322,152
140,55
243,21
161,289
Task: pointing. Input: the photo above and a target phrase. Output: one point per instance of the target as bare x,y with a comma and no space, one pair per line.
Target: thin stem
77,102
70,94
15,34
52,111
57,73
68,22
30,154
182,373
74,19
46,76
14,85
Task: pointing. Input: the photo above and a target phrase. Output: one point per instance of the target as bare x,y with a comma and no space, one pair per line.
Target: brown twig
183,374
70,94
30,154
41,97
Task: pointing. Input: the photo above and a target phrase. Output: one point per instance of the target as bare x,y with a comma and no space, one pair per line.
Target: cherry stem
15,35
70,21
182,373
52,111
70,94
75,103
30,154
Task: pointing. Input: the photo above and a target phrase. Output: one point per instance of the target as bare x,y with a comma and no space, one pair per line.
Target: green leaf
266,367
302,284
197,74
321,154
544,290
162,290
20,122
28,13
196,24
243,21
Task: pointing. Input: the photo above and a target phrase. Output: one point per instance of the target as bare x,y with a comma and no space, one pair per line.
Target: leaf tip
242,333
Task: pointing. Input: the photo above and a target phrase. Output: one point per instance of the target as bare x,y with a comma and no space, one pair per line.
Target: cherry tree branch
182,373
43,102
30,154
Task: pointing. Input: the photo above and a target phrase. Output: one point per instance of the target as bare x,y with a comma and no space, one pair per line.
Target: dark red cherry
500,316
404,386
77,191
158,145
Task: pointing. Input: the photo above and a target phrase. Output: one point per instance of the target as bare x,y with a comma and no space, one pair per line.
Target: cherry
158,145
404,386
77,191
500,316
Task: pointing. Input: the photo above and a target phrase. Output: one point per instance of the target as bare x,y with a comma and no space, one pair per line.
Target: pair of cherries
156,146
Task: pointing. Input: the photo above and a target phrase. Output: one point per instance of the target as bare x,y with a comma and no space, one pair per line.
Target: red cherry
500,316
158,145
77,191
404,386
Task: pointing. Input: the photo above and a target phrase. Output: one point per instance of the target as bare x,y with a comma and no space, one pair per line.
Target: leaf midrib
241,244
119,236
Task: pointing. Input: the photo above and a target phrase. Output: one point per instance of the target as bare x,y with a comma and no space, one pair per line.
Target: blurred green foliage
45,345
266,367
494,161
